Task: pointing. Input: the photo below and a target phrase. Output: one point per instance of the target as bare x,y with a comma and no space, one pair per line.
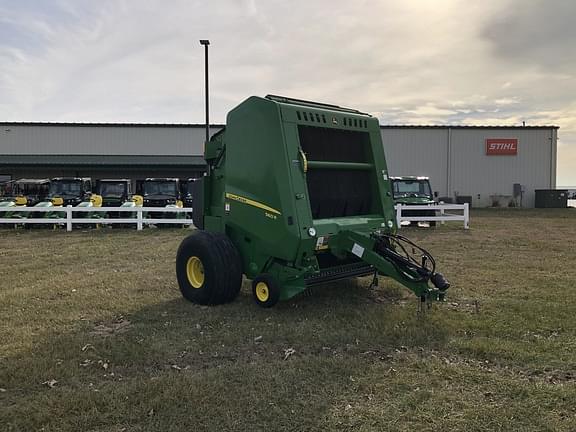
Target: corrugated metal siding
426,151
453,158
422,152
68,160
482,176
91,140
111,172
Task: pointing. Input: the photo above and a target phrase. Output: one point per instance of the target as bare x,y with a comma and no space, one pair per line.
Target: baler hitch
396,257
403,253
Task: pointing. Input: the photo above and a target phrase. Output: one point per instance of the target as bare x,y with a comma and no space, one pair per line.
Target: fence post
139,220
442,213
466,216
68,218
398,215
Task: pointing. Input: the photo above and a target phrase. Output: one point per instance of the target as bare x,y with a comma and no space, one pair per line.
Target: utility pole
206,42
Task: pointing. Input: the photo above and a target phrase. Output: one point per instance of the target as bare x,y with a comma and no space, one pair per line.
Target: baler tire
266,290
211,261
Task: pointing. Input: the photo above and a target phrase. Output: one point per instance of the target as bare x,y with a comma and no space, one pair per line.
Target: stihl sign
502,146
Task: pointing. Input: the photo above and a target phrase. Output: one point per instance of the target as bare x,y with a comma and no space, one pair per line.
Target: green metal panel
259,196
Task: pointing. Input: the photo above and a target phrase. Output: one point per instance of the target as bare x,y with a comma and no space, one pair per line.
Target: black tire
218,277
265,290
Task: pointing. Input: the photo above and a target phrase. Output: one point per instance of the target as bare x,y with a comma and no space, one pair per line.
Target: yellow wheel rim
195,272
262,291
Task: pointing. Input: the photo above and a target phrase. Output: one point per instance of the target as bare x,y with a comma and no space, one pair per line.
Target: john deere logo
334,120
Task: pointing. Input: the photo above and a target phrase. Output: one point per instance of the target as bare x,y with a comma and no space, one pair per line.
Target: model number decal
252,203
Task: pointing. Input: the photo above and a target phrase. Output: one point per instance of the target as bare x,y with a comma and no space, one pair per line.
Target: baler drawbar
397,257
296,194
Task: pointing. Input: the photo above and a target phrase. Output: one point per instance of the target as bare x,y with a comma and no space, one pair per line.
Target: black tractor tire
265,290
208,268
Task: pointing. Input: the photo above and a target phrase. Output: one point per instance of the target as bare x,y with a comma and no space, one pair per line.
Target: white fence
439,210
137,216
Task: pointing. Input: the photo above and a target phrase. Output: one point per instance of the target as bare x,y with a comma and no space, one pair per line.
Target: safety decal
322,243
357,250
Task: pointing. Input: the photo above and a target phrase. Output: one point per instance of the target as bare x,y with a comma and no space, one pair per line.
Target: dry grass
99,312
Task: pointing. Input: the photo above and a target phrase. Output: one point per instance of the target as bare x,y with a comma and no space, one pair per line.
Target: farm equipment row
78,192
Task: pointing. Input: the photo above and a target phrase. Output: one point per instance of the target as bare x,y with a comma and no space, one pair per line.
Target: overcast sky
495,62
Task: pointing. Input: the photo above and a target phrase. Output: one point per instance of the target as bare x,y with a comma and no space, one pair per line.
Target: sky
495,62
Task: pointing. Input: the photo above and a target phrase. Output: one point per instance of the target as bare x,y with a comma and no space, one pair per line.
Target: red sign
502,146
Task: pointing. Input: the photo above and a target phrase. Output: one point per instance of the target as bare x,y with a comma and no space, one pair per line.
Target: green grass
100,313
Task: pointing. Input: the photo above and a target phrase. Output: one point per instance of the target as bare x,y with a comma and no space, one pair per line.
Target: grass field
94,336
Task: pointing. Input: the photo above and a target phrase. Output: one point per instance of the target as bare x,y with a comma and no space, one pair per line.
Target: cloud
536,33
441,62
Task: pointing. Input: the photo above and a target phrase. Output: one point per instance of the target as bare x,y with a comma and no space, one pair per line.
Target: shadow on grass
173,364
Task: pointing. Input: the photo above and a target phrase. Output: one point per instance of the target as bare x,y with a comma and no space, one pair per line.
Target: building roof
87,124
466,127
199,125
103,160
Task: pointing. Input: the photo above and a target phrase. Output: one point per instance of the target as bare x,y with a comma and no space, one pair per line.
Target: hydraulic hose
395,248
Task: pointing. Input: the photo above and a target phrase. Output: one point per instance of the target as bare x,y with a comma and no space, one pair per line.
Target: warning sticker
322,243
357,250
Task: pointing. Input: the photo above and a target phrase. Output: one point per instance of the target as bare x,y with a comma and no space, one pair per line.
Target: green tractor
114,192
9,207
28,193
72,190
34,190
414,190
118,193
296,194
162,193
65,191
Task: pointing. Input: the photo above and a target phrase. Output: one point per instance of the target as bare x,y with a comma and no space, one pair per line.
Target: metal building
101,150
480,164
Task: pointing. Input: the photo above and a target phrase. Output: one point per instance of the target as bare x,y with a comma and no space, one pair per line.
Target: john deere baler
296,194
